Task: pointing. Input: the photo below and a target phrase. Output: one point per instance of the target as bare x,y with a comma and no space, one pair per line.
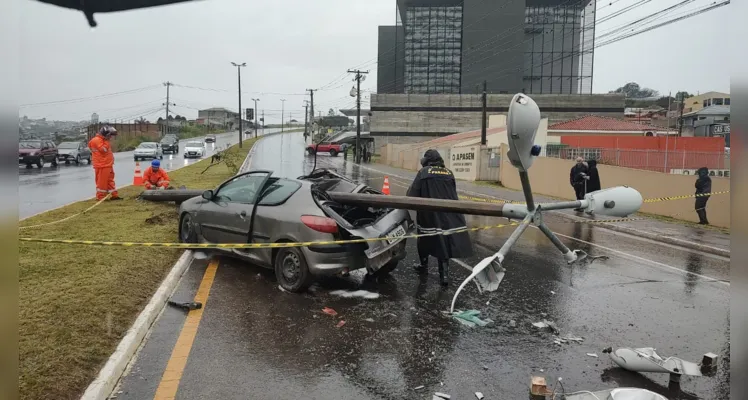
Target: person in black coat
593,177
577,178
436,181
703,186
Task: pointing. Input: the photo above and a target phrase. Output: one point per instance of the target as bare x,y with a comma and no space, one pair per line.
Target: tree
142,120
160,120
683,95
632,90
331,113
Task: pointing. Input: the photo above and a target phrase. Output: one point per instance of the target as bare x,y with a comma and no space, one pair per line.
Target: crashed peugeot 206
295,211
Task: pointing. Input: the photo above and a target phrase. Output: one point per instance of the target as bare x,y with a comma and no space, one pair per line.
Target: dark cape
593,184
435,181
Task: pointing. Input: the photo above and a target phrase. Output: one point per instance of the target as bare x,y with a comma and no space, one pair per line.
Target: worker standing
102,157
436,181
155,176
703,190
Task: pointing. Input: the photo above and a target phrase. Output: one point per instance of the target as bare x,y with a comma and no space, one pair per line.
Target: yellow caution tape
67,218
255,245
688,196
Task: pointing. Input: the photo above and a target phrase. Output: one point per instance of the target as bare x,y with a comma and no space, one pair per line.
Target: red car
332,148
37,152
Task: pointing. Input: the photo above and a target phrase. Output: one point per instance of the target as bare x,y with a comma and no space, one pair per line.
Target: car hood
142,150
168,144
28,151
67,151
193,149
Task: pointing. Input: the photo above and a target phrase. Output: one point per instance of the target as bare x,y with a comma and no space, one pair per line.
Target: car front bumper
28,159
66,157
144,155
192,154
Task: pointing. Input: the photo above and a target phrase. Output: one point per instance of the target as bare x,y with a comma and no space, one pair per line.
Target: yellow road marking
167,388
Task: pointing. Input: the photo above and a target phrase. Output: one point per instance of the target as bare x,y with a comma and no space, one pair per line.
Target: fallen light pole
177,196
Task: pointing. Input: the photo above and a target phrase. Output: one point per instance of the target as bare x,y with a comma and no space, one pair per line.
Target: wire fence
671,162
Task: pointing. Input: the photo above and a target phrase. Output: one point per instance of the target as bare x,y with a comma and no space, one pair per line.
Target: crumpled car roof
89,7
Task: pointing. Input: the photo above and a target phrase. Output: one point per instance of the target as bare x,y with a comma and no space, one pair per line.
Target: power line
81,99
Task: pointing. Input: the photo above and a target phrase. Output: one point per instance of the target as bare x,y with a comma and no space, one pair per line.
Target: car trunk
358,222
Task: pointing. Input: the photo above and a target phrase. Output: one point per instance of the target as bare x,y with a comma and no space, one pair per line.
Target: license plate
395,234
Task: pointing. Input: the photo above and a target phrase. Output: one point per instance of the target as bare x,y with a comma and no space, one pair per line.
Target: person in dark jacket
436,181
703,186
577,178
593,177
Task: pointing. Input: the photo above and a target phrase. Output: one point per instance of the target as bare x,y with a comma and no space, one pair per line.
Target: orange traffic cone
386,185
137,180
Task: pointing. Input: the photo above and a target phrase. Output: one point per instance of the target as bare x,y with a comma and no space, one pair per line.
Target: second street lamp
239,76
257,117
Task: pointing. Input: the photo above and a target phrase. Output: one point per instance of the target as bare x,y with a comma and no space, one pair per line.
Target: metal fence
673,161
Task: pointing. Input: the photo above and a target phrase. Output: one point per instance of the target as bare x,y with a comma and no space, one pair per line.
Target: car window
242,189
277,191
30,144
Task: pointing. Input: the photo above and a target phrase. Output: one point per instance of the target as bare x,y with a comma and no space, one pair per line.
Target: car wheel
187,232
54,162
310,151
161,157
291,270
78,160
67,162
40,163
29,166
136,159
333,153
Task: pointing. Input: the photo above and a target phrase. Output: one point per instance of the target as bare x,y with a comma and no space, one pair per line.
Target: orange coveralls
103,163
153,178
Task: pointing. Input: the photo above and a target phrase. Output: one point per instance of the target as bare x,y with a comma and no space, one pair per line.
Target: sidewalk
692,237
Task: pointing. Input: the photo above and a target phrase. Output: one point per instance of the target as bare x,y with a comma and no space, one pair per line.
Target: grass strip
77,302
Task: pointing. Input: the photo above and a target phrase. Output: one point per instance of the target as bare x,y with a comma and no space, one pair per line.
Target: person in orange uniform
155,176
102,158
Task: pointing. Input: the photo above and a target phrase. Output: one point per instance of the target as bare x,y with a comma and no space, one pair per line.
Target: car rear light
320,224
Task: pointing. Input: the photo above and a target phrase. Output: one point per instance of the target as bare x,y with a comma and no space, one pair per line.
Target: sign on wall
712,172
463,162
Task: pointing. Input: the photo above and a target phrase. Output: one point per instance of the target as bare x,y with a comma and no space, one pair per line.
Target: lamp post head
239,65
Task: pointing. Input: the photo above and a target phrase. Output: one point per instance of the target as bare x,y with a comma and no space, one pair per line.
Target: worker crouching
155,177
102,158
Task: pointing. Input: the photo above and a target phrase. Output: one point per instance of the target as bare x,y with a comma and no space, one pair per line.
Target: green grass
76,302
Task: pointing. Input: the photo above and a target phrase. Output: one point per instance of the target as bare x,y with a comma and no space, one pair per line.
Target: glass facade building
452,46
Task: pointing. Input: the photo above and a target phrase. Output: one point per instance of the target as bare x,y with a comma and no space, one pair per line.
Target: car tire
386,269
187,232
77,160
310,152
40,162
54,162
29,166
161,157
136,159
89,161
291,270
67,162
333,153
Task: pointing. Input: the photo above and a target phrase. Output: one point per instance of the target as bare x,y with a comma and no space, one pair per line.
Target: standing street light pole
283,105
239,75
256,116
356,92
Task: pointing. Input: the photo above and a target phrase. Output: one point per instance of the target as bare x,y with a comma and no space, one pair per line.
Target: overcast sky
290,46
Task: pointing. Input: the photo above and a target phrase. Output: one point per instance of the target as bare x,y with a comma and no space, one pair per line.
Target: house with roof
708,99
595,125
708,122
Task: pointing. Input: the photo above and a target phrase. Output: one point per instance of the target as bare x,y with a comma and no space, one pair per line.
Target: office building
453,46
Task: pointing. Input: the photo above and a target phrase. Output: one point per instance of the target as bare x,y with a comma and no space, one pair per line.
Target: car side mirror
208,195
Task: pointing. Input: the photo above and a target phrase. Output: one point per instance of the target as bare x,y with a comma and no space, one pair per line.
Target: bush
130,143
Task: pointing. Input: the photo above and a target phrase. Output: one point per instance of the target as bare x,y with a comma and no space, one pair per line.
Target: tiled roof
598,123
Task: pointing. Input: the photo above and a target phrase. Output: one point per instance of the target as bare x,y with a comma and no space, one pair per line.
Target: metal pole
166,121
239,77
358,118
283,107
483,122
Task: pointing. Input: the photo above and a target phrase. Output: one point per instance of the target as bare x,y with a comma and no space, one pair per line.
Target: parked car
73,151
325,147
170,144
148,150
296,210
194,149
37,152
210,139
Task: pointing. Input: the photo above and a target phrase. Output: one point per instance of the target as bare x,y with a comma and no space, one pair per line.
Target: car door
84,151
48,151
227,217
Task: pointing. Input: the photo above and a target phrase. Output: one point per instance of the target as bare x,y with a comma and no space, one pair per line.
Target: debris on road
200,255
546,324
709,360
341,323
646,359
419,387
440,395
470,318
329,311
479,395
513,323
592,355
187,306
369,319
617,393
364,294
281,288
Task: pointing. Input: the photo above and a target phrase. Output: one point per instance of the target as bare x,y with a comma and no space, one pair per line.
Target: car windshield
194,144
147,145
68,145
30,144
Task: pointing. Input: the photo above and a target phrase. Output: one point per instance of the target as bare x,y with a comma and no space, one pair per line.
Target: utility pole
283,107
306,119
358,78
239,76
483,131
680,119
256,116
263,122
311,122
166,120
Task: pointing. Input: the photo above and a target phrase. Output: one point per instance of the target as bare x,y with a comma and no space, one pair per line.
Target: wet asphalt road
255,341
50,187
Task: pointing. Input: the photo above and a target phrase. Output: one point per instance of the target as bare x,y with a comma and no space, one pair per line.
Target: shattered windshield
30,144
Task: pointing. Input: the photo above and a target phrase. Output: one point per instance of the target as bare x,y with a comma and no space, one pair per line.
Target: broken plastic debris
341,323
479,395
552,292
545,324
442,395
369,319
200,255
513,323
364,294
592,355
709,360
615,394
419,387
329,311
470,318
646,359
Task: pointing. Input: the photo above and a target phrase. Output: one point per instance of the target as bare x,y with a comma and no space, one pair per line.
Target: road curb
105,382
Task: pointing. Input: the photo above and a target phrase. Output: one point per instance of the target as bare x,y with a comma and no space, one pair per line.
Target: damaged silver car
255,207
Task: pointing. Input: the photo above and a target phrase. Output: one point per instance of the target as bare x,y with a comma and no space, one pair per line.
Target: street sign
250,114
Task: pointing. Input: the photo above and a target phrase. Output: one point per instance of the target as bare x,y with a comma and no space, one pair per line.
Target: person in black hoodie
593,177
703,187
436,181
577,178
